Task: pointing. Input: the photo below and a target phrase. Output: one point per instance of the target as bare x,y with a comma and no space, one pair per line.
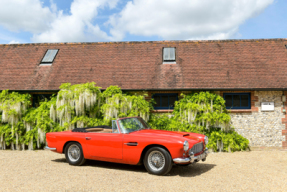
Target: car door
105,145
132,148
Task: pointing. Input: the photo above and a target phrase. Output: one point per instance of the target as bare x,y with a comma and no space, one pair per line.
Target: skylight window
49,56
169,55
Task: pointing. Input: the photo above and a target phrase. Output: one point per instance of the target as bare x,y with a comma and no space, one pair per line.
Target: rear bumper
51,149
192,158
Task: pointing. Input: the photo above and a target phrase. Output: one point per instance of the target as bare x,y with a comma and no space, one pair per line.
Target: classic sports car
129,141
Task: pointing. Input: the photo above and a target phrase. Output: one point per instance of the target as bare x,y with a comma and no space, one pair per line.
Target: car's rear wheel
157,161
74,154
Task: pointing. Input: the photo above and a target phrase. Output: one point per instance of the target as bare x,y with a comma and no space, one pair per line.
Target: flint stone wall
262,129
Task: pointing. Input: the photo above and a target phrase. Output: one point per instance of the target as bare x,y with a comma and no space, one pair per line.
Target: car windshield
132,124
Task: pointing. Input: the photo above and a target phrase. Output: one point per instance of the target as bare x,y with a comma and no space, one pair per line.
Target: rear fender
85,152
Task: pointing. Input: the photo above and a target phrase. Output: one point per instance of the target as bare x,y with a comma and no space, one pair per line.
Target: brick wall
284,121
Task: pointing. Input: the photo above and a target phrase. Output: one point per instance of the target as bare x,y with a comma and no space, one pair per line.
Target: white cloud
184,19
14,42
167,19
26,15
78,25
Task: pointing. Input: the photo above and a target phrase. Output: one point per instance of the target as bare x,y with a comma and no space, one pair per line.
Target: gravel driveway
48,171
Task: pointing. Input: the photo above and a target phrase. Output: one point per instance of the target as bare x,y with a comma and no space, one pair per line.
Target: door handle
131,144
88,138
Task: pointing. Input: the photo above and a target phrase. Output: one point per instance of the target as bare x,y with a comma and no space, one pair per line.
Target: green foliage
38,122
117,105
231,140
79,100
13,107
84,121
111,91
161,122
83,105
203,109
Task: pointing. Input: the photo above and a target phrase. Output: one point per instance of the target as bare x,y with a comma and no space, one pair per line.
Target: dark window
37,98
165,101
237,100
168,54
49,56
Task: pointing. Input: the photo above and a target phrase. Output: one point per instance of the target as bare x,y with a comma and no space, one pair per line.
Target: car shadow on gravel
62,160
191,170
183,171
119,166
108,165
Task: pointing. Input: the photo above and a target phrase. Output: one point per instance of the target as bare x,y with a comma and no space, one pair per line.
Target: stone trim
239,110
162,111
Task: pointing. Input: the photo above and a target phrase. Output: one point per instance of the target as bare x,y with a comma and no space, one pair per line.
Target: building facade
251,75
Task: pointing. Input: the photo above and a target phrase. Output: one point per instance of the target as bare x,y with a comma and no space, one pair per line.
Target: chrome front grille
196,148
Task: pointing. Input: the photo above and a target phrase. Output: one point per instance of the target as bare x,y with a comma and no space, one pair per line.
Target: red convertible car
129,141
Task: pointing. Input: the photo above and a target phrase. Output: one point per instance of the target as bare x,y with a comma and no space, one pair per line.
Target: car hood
170,134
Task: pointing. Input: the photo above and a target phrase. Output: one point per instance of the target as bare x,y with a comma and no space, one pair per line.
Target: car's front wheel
157,161
74,154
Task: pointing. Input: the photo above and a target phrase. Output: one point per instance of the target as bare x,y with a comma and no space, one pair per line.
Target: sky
39,21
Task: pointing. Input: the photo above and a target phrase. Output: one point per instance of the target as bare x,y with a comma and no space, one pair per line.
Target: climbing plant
203,109
74,101
13,107
84,105
38,122
116,105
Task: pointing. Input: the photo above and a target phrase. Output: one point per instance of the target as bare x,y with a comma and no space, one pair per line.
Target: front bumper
48,148
192,158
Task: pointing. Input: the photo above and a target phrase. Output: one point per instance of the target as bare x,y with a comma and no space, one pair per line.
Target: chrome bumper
48,148
192,158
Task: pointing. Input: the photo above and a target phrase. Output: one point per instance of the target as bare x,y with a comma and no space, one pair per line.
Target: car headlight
185,146
206,140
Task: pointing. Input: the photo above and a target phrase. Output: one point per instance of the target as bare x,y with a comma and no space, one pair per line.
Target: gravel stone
48,171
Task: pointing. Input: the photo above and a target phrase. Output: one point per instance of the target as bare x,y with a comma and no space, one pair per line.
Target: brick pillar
284,121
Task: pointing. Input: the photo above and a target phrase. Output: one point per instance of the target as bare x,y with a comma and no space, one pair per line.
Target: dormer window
49,57
169,55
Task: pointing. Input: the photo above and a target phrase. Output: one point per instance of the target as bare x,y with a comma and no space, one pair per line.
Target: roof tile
229,64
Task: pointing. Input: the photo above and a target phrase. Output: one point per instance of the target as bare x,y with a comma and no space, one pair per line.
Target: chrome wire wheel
156,160
74,153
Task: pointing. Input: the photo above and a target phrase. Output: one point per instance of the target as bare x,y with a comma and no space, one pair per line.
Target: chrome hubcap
156,160
74,153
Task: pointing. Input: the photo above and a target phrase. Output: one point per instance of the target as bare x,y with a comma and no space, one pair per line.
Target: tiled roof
222,64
